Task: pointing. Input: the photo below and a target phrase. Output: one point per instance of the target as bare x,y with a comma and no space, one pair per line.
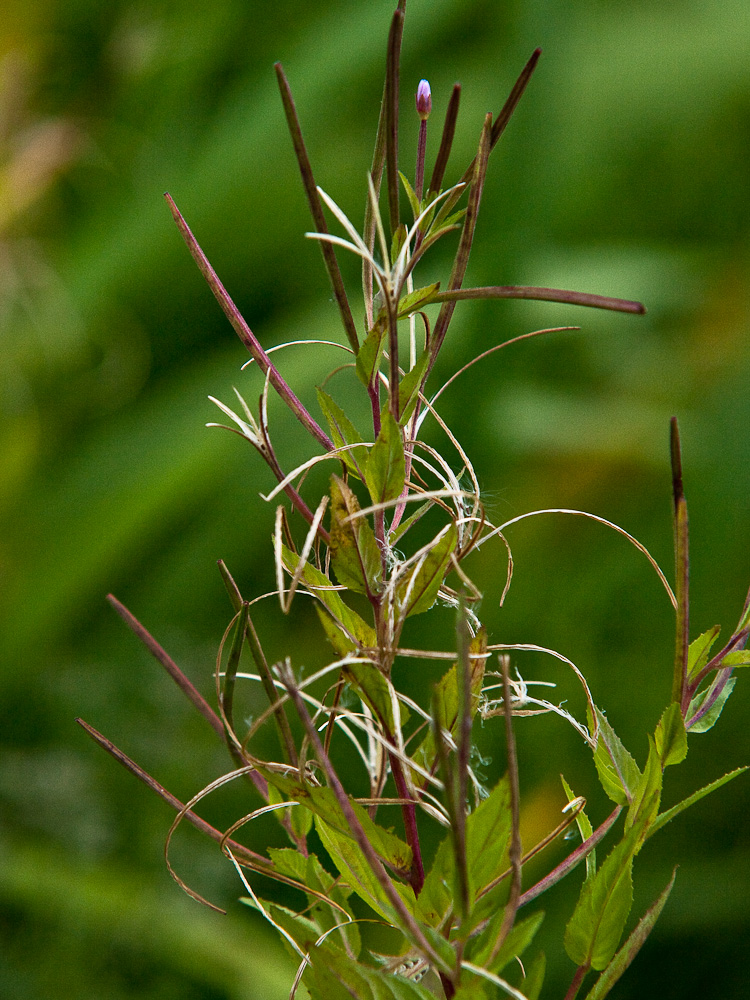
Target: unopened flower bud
424,100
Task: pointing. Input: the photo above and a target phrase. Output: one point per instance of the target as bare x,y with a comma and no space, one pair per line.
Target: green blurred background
624,172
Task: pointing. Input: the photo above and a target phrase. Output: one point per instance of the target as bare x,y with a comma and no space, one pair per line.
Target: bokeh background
624,172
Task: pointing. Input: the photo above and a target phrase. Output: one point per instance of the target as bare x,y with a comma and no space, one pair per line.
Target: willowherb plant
463,927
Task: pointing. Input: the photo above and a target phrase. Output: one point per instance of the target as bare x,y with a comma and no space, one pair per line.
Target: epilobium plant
463,921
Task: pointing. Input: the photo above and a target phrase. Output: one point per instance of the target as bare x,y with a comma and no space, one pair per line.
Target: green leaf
354,552
471,989
436,897
401,530
311,873
699,650
343,432
419,591
300,928
299,818
584,828
413,301
370,353
354,627
360,980
617,770
338,639
385,471
445,700
671,737
709,720
632,946
519,938
645,804
408,390
353,866
488,830
594,930
531,985
373,688
411,194
737,658
669,814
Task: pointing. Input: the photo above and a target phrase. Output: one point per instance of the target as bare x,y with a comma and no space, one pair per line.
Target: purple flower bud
424,100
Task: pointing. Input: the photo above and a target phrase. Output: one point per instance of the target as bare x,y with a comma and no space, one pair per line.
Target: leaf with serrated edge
671,737
372,687
645,804
617,770
488,830
632,946
669,814
319,585
531,985
419,596
354,552
519,938
368,358
408,390
446,701
436,897
594,930
348,858
411,302
584,828
386,468
699,650
343,432
709,720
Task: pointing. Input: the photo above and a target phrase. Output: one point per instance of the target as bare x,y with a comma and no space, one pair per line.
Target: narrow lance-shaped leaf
354,552
584,828
707,706
316,208
671,737
408,390
669,814
699,651
385,471
517,941
593,932
617,770
371,352
632,946
418,592
343,433
645,804
318,584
